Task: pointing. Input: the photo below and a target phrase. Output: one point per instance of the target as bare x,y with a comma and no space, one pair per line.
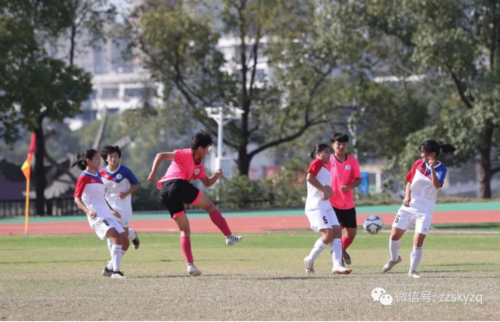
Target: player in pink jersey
89,197
176,191
424,180
344,170
319,212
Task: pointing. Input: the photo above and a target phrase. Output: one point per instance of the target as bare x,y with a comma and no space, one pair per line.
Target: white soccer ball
373,224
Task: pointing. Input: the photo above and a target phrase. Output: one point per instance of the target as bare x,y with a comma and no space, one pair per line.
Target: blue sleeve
441,174
131,177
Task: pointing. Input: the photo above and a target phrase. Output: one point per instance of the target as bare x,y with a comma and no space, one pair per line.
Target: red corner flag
26,168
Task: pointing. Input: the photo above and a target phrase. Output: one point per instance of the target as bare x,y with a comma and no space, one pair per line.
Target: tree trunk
40,179
485,161
243,161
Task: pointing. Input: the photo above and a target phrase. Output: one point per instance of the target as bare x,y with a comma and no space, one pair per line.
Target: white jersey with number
315,196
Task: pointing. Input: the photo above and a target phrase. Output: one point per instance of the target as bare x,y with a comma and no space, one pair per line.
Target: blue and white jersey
115,182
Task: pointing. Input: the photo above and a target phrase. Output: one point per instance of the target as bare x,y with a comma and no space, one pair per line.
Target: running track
248,222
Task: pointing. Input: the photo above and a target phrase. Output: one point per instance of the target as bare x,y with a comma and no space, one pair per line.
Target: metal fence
64,206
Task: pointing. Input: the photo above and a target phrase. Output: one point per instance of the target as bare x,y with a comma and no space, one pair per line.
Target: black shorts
175,193
346,217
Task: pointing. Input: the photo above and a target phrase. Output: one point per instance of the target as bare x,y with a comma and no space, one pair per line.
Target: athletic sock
316,250
346,241
336,248
186,249
219,221
394,246
117,257
132,234
416,257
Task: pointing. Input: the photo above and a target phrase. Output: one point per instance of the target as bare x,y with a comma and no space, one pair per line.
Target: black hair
430,146
318,148
80,159
109,149
202,139
339,137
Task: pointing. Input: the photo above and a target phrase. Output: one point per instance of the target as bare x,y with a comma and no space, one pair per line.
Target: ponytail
80,159
318,148
430,146
448,148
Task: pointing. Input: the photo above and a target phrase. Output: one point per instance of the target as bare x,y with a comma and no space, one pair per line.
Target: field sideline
58,278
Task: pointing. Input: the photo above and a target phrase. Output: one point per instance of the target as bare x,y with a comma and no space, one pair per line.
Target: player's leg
336,245
351,227
205,203
402,222
422,226
134,237
318,247
116,252
185,241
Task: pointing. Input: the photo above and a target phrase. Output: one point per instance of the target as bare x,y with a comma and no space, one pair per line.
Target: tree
34,86
182,52
456,45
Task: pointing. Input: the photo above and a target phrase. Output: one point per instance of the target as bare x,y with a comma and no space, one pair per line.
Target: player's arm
354,184
327,190
160,157
81,205
435,180
130,191
210,181
407,198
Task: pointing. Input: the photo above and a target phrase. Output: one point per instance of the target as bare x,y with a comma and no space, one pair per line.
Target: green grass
58,278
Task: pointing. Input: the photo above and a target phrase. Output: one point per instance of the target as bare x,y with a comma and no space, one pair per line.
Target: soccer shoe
390,264
309,266
231,240
136,241
107,272
192,270
118,275
346,258
341,270
414,274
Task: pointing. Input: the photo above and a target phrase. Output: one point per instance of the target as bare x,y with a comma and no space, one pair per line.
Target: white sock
131,234
110,263
336,248
394,246
317,249
416,257
117,257
110,244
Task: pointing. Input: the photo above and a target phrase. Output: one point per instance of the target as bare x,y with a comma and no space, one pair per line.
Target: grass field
58,278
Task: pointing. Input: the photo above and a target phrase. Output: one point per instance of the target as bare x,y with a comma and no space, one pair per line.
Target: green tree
34,86
182,52
456,45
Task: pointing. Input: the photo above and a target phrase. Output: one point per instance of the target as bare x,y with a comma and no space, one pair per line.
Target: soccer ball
373,224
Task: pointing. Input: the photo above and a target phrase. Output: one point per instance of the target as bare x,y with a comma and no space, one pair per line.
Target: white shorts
322,218
102,225
404,220
125,219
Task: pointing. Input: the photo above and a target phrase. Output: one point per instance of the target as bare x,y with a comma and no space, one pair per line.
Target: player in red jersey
89,197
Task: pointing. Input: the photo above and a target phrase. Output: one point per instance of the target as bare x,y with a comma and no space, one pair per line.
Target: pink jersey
343,174
183,167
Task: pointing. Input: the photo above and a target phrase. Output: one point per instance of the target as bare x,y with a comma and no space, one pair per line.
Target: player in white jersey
320,213
89,197
120,183
424,179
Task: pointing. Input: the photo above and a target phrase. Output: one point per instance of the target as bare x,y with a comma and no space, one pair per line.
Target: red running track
237,224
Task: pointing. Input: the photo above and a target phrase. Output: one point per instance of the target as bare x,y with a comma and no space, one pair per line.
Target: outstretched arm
208,182
156,163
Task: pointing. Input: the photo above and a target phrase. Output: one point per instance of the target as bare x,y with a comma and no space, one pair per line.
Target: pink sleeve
355,171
